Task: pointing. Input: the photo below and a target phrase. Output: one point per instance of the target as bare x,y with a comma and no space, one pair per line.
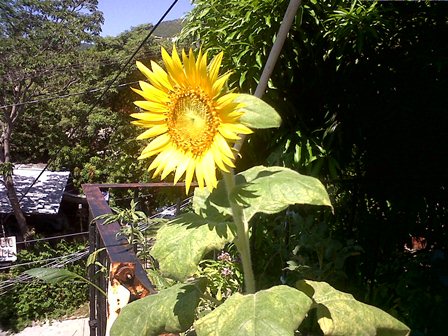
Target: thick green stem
242,235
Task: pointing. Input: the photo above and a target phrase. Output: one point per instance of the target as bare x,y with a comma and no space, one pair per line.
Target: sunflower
191,118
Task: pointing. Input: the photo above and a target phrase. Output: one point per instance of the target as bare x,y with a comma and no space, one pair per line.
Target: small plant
136,226
223,275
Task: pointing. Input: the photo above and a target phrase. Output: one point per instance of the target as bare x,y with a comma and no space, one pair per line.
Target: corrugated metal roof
43,198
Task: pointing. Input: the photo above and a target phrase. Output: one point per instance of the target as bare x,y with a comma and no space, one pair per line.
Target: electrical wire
78,255
57,262
61,261
52,238
35,101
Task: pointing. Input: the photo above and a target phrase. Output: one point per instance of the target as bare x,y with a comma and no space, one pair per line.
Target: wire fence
56,262
166,212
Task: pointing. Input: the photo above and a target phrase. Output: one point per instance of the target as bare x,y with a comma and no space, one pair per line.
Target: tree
106,149
40,44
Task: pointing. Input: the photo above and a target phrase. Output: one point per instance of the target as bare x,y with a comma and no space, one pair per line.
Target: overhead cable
35,101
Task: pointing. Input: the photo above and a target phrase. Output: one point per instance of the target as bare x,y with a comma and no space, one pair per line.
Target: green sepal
257,113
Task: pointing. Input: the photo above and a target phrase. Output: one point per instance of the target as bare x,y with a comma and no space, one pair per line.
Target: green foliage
244,30
6,169
41,56
95,144
35,300
223,276
360,87
263,189
280,310
260,189
130,216
221,216
316,254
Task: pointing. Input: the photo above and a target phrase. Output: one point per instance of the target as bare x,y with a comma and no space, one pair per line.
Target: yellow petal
143,69
153,131
209,170
152,93
157,79
200,176
189,175
219,84
147,116
226,99
190,67
169,167
227,161
228,134
222,145
151,106
214,67
201,67
173,66
236,128
161,76
157,144
181,168
158,163
217,156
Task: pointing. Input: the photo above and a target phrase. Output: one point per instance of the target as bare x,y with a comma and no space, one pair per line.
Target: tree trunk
17,210
5,157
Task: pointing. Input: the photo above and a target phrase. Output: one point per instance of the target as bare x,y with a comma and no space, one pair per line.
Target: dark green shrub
25,302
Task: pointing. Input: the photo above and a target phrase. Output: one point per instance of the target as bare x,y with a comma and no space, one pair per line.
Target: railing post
93,323
126,280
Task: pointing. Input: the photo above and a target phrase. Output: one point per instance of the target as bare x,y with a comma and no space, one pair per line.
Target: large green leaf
53,275
171,310
182,243
339,313
263,189
213,205
257,113
275,311
59,275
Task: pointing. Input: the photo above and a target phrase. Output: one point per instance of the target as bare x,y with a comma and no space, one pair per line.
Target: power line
65,95
54,237
57,262
76,255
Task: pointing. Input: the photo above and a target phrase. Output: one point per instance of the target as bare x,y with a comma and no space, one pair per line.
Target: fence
126,279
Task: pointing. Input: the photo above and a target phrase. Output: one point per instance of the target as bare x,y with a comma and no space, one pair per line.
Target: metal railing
126,280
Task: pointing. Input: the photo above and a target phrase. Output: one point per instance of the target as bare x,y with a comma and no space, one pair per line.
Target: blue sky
121,15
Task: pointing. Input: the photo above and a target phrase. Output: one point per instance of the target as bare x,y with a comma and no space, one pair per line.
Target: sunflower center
193,122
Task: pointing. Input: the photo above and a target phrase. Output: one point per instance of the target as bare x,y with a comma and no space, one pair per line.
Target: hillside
169,28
